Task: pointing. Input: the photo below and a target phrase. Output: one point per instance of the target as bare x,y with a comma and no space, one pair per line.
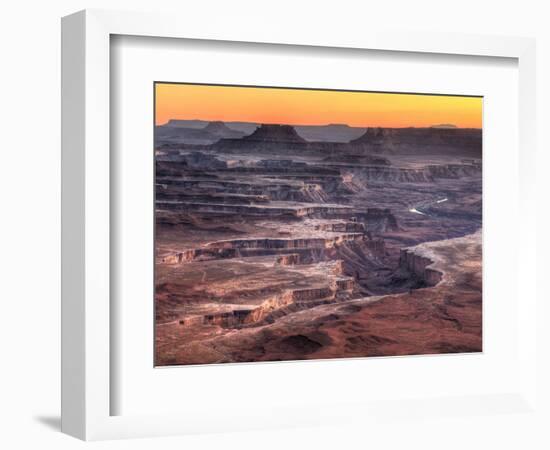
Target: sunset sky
313,107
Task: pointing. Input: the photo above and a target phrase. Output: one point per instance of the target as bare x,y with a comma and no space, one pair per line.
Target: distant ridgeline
329,140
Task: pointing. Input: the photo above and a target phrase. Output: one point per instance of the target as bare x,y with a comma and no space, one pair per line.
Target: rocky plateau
276,242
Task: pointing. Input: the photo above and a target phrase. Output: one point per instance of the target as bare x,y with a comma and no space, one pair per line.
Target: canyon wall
419,266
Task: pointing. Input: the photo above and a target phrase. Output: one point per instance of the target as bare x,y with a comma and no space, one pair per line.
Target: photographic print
296,224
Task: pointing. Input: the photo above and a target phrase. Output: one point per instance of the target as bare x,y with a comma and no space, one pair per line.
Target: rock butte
272,245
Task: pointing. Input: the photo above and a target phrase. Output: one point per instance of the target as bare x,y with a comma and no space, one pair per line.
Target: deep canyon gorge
275,242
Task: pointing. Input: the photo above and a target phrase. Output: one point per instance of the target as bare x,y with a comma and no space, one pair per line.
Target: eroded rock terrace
265,256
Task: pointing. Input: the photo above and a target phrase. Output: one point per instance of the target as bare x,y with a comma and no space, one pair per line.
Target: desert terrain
279,242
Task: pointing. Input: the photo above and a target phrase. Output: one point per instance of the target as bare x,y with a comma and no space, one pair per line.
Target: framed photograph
326,216
323,229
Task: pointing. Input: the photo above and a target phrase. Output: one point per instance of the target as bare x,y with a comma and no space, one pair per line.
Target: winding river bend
416,209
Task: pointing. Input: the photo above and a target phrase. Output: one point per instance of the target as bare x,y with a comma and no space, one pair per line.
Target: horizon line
325,124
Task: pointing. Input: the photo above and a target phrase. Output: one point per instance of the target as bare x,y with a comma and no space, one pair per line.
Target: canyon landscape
287,239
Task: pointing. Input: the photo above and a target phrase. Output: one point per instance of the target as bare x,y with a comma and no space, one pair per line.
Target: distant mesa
196,124
270,138
222,130
444,125
191,131
216,127
244,127
333,132
285,140
333,141
194,132
446,139
281,134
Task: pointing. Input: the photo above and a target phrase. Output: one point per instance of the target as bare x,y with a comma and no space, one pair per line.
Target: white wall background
30,194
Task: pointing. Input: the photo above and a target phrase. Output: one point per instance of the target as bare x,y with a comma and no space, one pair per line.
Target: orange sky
313,107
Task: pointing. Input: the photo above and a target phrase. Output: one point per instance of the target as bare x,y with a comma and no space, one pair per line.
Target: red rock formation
419,265
279,134
288,260
445,318
450,141
272,247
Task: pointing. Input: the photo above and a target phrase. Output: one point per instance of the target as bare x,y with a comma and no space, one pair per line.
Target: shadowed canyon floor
270,246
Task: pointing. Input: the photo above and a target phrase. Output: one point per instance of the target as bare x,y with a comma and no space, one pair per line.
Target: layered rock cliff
419,266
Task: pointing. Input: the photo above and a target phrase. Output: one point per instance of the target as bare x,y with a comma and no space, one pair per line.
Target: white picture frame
86,284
